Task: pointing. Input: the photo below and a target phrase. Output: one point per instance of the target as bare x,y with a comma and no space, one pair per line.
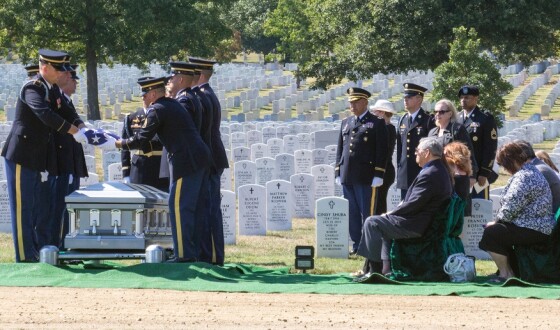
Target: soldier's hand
80,136
44,176
126,179
109,144
337,180
482,180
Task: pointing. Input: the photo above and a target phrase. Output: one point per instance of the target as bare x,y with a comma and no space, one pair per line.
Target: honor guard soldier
212,248
413,126
26,150
189,160
483,133
142,165
361,158
32,70
71,163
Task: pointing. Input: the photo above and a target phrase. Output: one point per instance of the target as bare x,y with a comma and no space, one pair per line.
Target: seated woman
458,157
545,157
525,216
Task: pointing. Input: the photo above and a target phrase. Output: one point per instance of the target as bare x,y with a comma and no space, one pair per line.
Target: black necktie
409,120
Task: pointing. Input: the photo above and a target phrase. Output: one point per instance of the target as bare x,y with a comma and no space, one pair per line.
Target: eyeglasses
417,151
441,112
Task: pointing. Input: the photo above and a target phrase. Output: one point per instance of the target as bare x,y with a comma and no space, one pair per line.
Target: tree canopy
134,32
353,39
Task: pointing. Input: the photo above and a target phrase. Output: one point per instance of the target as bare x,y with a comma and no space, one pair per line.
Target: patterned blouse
527,201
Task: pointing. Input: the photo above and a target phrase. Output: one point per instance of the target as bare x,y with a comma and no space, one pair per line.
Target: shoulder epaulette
34,82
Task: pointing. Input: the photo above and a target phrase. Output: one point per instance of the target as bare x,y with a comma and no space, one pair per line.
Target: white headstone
5,216
278,205
332,228
319,156
265,170
244,172
109,158
275,147
259,150
228,216
324,180
303,195
225,180
283,167
331,150
472,228
251,209
115,172
92,178
291,144
393,197
303,161
241,153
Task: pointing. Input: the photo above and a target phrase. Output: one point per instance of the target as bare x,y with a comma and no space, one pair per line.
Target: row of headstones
550,99
531,88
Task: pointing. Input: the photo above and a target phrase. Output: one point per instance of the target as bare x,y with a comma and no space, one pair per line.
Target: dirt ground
67,308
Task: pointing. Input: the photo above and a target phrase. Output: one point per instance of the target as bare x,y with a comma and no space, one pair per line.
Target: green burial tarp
247,278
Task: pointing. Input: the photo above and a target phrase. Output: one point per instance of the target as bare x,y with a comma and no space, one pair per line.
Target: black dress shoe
354,252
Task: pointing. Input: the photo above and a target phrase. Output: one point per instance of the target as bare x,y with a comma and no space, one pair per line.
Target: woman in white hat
384,109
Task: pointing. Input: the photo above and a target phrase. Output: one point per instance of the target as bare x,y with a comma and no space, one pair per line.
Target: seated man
428,194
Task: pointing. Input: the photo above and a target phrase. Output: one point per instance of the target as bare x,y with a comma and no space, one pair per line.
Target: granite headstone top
473,228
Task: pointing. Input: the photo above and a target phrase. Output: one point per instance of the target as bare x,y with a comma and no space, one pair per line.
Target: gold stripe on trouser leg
213,251
373,199
178,218
18,213
486,191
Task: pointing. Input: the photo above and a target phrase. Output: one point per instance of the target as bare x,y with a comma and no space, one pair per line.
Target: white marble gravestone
259,150
108,159
319,156
90,163
228,216
5,216
331,214
114,172
241,153
244,172
225,180
251,209
303,161
291,144
253,137
278,205
283,167
275,147
92,178
303,195
473,228
265,170
331,156
324,180
393,197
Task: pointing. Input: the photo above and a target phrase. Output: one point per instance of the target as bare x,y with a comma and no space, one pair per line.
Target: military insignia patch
368,125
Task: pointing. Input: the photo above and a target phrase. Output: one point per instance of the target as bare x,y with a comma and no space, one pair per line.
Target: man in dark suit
189,161
483,133
360,161
429,192
413,126
212,248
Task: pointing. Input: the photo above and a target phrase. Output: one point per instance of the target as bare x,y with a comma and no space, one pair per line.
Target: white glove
376,182
337,180
126,179
108,145
80,136
44,176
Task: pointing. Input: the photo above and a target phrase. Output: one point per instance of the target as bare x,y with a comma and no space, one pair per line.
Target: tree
354,39
248,17
468,65
134,32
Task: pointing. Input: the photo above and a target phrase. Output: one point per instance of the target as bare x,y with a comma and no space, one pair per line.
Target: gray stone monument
332,228
303,195
244,172
251,209
278,205
472,228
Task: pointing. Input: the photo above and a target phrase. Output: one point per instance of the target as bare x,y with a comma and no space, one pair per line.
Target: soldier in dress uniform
413,126
483,133
189,159
142,165
212,248
361,158
32,70
27,151
70,159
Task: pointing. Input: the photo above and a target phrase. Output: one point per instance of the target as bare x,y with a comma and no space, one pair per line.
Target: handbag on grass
460,268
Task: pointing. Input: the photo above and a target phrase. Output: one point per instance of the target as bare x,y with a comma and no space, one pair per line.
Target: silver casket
118,216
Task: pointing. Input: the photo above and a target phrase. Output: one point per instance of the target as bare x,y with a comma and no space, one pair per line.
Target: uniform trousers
183,201
361,204
22,185
377,236
213,246
45,226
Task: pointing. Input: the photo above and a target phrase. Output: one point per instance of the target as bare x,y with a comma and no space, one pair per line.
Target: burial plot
244,172
228,216
331,214
251,209
303,195
472,228
278,205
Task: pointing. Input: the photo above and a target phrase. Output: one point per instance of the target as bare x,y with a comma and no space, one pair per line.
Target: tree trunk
91,67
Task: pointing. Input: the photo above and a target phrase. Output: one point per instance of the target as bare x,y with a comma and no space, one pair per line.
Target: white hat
383,105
